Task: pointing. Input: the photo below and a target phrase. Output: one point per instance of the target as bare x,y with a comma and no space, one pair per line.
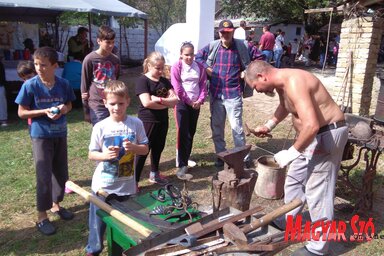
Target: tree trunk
235,195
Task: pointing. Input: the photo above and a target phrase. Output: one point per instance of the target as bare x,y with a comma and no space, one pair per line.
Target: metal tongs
248,131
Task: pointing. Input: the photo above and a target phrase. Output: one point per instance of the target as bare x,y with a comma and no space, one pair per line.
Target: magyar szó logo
329,230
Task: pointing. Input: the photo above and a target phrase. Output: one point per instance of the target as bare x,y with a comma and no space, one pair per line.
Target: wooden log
106,207
237,194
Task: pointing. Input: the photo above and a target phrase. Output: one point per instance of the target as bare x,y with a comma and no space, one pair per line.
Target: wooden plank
370,2
329,9
318,10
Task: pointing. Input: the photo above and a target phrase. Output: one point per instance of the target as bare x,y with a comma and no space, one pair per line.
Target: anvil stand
371,151
233,187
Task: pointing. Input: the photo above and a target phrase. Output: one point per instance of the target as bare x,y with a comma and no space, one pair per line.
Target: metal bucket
270,179
379,113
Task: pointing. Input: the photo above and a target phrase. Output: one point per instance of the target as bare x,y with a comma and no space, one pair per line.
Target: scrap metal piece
190,240
162,210
178,249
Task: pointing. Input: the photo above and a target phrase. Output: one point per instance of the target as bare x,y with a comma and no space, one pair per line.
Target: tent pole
90,31
56,43
145,38
326,49
120,42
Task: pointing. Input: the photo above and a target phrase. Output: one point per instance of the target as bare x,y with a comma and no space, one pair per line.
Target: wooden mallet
238,236
131,223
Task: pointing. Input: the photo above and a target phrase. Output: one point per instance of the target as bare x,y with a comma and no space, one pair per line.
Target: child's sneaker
155,177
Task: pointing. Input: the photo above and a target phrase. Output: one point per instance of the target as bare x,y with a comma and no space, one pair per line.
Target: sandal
46,227
64,214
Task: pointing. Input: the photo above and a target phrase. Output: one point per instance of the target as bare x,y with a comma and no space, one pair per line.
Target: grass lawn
18,234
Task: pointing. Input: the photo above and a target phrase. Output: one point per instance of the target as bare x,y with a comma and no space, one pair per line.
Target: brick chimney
359,41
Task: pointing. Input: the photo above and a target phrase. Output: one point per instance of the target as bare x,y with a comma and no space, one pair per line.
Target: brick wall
360,38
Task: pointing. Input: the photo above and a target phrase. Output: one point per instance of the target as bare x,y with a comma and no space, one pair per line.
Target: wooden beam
340,8
145,38
320,10
218,13
370,2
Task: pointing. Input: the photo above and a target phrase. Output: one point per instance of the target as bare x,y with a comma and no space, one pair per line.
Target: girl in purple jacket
188,79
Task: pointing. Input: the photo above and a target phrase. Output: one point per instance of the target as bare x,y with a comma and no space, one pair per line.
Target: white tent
48,10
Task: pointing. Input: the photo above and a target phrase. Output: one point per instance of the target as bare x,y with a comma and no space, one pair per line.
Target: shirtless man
315,156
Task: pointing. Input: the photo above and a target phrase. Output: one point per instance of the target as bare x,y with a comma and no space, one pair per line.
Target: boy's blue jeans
96,230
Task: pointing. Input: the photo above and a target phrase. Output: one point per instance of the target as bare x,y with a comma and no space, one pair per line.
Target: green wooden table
120,237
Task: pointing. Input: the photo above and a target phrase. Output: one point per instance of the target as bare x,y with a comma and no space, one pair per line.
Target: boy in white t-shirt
115,142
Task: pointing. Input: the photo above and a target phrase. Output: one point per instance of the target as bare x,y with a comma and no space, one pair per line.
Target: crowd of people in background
309,50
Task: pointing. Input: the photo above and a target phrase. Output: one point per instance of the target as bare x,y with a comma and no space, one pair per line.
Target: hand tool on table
130,207
197,226
139,228
163,239
179,249
210,248
190,239
251,248
238,236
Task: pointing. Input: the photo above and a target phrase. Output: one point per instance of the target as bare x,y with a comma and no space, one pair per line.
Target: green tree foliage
277,10
74,18
161,13
81,19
